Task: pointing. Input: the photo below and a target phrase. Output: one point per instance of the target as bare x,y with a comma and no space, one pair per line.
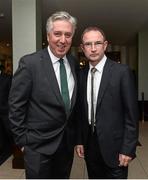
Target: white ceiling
120,19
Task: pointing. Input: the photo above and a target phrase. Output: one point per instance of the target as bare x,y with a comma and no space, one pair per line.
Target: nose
63,39
93,47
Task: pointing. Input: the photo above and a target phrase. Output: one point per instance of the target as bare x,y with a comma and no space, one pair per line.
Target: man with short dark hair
108,111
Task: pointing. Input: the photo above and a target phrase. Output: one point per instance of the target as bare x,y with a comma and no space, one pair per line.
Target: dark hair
93,28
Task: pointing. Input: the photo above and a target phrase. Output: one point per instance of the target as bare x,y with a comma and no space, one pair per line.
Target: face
94,46
60,38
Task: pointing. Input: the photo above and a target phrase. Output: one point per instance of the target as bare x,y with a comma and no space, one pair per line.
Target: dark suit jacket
37,114
116,113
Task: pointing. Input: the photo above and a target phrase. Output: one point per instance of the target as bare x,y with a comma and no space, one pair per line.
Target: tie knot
61,61
93,70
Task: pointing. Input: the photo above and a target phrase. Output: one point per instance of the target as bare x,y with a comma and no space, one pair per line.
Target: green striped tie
64,85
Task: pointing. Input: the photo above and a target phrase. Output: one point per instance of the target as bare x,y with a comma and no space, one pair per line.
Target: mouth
93,55
61,47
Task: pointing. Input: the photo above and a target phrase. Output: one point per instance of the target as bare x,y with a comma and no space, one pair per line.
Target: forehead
62,25
92,36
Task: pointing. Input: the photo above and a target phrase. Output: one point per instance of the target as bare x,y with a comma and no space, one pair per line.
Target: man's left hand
124,160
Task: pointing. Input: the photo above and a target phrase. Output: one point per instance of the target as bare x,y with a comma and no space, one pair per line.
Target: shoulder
83,71
31,61
33,57
72,58
117,66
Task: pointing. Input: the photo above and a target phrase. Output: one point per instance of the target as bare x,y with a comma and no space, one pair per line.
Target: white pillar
26,28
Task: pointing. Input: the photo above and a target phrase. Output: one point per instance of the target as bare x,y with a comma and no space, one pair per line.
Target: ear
82,47
48,37
105,45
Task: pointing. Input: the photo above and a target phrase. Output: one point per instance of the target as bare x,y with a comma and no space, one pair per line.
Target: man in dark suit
108,111
41,119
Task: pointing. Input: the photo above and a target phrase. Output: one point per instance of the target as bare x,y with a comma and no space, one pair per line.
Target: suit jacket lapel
72,66
105,80
48,68
84,82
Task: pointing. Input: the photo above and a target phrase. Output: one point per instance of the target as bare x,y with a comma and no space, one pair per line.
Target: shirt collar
54,59
100,65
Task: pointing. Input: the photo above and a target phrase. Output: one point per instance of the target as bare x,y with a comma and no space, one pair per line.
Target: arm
18,102
79,147
130,106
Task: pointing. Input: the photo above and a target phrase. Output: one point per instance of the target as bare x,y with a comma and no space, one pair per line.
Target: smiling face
60,37
93,46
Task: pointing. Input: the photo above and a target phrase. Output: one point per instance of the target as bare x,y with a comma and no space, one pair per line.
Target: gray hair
61,15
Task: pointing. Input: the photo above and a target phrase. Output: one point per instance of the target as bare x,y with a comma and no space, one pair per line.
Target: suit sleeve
18,102
79,118
131,115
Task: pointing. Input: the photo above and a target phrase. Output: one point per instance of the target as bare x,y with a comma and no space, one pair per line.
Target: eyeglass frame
90,44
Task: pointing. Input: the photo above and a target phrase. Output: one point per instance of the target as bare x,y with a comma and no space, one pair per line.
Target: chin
94,59
63,51
60,55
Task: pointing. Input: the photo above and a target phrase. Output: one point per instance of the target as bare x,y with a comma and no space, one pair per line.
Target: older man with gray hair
42,100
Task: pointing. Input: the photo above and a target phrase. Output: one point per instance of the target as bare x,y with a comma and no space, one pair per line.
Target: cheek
51,39
87,54
69,41
52,42
100,50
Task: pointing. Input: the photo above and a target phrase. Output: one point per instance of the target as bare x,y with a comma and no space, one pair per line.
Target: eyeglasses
90,44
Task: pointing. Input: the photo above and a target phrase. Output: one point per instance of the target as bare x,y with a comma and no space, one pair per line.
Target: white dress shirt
56,66
97,80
